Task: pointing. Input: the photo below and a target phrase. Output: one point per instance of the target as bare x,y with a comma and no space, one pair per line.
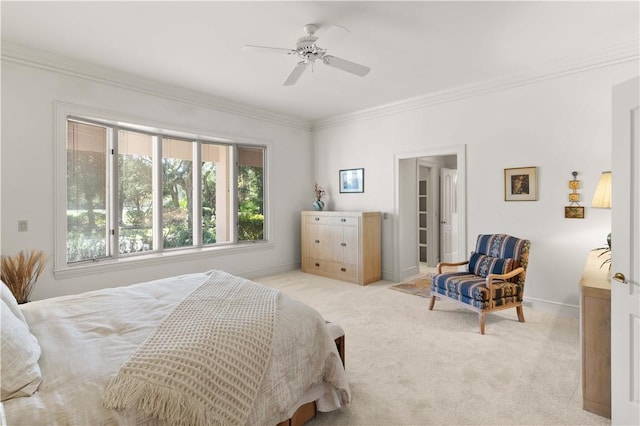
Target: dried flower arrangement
21,272
320,192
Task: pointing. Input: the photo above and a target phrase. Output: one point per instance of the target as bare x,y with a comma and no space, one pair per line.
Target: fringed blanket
204,363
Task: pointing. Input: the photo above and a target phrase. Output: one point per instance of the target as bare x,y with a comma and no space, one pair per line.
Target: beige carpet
411,366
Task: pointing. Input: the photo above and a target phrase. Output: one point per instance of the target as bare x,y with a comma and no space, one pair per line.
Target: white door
448,216
625,251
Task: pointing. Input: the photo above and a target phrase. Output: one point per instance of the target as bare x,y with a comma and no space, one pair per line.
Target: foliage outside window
132,192
250,194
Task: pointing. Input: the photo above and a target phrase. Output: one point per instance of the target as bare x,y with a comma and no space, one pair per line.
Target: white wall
558,125
27,171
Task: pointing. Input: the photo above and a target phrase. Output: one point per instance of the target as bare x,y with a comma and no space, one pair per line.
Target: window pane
215,194
87,230
177,193
250,194
135,192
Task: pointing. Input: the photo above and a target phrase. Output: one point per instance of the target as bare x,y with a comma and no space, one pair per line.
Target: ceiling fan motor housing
307,49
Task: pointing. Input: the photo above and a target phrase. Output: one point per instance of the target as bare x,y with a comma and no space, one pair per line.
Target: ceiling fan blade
345,65
295,74
252,48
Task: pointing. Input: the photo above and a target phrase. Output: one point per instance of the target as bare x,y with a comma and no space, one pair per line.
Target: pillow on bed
19,357
12,303
483,265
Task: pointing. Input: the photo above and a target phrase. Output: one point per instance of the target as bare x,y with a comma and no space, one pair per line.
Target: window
135,192
132,192
250,194
87,224
177,193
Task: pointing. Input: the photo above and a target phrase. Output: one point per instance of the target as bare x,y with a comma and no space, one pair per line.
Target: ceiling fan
308,52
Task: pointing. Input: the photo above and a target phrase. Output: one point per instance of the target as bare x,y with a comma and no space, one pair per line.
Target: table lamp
602,197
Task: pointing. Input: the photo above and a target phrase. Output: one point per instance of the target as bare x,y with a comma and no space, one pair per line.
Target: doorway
437,210
408,229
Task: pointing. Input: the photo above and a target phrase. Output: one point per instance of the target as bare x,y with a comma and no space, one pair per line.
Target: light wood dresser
342,245
595,313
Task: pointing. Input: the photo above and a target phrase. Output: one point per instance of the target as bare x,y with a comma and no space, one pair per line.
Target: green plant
250,227
605,256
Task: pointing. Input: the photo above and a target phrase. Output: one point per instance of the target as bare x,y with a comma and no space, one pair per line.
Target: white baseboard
557,308
263,272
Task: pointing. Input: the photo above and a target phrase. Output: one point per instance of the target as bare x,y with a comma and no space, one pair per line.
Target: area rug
418,287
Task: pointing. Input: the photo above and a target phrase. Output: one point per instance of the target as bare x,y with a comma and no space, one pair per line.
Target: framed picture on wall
574,212
521,184
351,180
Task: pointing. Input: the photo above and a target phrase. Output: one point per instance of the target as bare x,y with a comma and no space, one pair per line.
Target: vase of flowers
20,272
318,204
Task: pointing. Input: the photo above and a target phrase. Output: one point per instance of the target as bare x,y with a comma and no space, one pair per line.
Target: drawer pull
317,264
343,269
316,219
343,244
343,220
317,241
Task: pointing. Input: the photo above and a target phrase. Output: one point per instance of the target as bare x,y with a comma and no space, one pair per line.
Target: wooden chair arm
443,264
503,277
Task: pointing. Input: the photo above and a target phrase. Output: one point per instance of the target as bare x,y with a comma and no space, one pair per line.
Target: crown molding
27,56
612,55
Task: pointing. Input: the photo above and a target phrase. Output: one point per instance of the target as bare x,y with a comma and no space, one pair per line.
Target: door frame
405,255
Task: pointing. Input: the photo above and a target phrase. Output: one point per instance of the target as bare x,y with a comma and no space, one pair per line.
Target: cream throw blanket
204,363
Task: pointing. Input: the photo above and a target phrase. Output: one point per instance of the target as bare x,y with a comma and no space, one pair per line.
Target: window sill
146,260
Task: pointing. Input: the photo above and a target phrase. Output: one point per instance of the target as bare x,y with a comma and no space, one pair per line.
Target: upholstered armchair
492,280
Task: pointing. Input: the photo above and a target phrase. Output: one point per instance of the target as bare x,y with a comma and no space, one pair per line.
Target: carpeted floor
411,366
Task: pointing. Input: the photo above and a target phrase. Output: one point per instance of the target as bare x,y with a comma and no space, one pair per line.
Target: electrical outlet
23,226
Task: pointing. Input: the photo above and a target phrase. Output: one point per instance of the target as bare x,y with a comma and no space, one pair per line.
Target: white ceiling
413,48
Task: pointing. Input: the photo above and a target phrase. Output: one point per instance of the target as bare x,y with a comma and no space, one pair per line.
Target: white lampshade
602,197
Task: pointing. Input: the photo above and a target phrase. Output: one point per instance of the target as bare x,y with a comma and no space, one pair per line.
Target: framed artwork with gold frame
574,212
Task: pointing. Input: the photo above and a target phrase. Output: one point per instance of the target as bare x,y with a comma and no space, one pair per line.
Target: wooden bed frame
308,411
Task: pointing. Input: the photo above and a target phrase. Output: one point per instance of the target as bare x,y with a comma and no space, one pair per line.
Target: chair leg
520,312
481,317
432,303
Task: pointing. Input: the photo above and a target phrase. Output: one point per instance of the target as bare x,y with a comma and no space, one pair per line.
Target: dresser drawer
334,269
332,220
344,272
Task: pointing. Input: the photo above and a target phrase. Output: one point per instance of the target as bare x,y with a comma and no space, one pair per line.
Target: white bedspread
86,338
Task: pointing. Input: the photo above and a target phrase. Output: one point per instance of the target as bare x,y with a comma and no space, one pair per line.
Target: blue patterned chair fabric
493,280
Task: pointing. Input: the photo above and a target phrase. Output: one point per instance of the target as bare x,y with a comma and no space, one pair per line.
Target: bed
108,356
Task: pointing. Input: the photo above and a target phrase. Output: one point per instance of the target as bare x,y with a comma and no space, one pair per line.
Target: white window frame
62,112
